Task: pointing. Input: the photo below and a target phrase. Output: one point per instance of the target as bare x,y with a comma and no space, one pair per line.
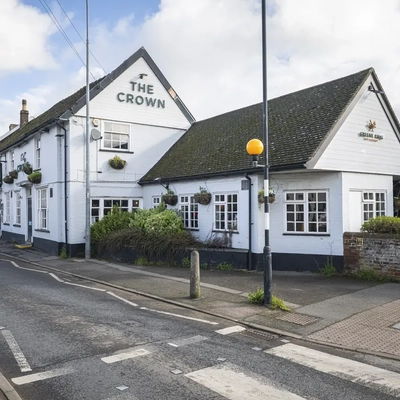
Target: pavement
338,311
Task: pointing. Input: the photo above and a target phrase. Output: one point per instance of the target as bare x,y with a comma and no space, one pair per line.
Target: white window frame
42,198
226,212
373,204
37,152
6,215
17,207
297,204
155,201
189,209
101,206
115,136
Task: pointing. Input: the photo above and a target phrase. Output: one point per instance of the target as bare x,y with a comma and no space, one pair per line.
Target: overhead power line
76,30
59,27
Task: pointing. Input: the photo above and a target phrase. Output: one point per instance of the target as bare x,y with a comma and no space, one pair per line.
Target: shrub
368,275
383,224
112,222
63,253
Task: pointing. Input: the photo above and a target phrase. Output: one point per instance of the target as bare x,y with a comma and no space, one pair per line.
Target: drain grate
258,334
298,319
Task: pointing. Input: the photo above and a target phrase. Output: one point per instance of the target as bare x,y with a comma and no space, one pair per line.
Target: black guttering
65,188
258,170
122,68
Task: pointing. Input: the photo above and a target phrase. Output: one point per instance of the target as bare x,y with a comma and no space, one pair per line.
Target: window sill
41,230
305,234
17,225
117,151
224,231
6,223
192,229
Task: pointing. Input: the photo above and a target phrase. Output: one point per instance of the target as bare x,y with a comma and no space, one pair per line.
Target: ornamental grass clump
383,224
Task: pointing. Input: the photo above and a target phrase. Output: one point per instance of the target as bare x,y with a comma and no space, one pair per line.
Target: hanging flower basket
35,177
13,174
271,198
202,197
170,198
116,162
27,168
261,197
8,179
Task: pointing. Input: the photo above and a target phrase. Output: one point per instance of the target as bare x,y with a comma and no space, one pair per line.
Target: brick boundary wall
379,252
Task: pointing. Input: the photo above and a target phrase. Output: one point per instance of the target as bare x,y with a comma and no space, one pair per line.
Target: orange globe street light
255,147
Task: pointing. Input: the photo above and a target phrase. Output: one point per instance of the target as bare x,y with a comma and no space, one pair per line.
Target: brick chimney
24,115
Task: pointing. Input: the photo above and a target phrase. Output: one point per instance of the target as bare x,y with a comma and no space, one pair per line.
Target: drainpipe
249,263
65,188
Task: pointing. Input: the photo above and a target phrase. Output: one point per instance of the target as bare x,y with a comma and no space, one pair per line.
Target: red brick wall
380,252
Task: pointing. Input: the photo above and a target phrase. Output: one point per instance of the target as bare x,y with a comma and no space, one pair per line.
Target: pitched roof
70,105
43,119
297,125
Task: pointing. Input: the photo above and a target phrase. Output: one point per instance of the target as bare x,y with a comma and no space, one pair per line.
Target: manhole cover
298,319
258,334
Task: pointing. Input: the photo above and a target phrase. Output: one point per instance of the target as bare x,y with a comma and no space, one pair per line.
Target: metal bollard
194,275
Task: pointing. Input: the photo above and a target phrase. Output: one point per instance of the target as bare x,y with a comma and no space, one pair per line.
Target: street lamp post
255,148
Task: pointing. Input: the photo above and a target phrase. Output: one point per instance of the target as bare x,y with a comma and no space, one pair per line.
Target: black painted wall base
299,262
13,237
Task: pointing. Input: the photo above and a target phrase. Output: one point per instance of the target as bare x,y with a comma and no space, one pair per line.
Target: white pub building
333,150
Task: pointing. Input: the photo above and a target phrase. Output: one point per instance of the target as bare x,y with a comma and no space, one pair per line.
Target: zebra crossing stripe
354,371
235,385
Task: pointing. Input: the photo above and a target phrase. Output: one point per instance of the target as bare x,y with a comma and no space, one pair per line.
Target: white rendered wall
353,186
349,152
106,103
299,243
223,185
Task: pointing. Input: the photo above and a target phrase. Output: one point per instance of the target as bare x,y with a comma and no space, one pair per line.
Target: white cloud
24,34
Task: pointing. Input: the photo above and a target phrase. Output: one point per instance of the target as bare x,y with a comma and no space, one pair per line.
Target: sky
209,50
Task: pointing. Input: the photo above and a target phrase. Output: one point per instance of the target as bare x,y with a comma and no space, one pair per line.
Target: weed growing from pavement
204,265
257,297
141,261
224,267
368,275
185,262
328,270
63,254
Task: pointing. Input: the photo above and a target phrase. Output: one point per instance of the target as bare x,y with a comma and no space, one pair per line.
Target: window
17,208
374,205
43,214
226,212
116,136
306,212
37,153
101,207
189,212
155,201
6,217
12,161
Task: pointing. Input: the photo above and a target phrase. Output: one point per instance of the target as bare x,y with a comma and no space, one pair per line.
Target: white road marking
186,341
238,386
18,355
1,327
231,329
56,277
83,286
125,356
353,371
204,321
27,269
23,380
122,299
